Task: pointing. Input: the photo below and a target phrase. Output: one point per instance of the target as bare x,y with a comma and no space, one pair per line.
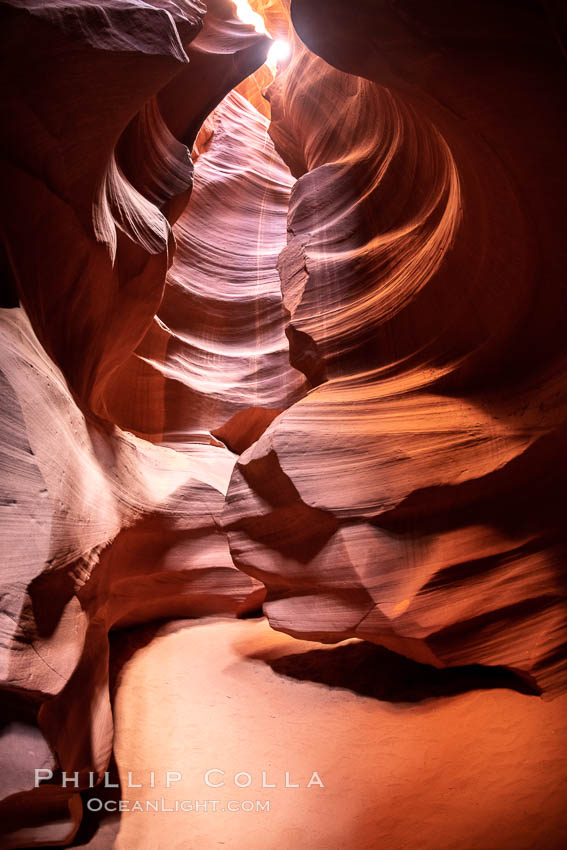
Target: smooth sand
483,769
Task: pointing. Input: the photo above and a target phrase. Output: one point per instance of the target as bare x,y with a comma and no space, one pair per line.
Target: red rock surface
412,498
96,525
309,345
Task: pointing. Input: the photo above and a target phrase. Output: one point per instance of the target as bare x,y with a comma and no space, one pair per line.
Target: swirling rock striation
311,344
412,498
101,529
217,346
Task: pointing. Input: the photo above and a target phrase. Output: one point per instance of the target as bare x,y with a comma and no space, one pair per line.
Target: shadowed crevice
373,671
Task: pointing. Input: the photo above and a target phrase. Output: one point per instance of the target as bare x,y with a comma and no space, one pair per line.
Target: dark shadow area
17,706
373,671
8,287
98,829
254,614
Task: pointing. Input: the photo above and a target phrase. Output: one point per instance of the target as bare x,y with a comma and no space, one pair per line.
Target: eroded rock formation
96,531
421,306
308,345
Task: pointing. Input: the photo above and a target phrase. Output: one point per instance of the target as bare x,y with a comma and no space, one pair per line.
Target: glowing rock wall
320,360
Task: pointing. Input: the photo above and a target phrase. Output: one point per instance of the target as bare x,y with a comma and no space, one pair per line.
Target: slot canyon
283,421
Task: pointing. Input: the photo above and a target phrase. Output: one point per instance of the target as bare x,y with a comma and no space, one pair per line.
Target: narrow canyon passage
282,430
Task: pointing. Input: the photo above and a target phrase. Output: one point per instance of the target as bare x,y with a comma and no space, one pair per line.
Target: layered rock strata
310,345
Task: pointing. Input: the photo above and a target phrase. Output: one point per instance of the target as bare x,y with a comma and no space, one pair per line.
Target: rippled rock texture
413,497
307,347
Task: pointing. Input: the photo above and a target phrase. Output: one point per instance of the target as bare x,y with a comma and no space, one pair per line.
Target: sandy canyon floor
409,757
